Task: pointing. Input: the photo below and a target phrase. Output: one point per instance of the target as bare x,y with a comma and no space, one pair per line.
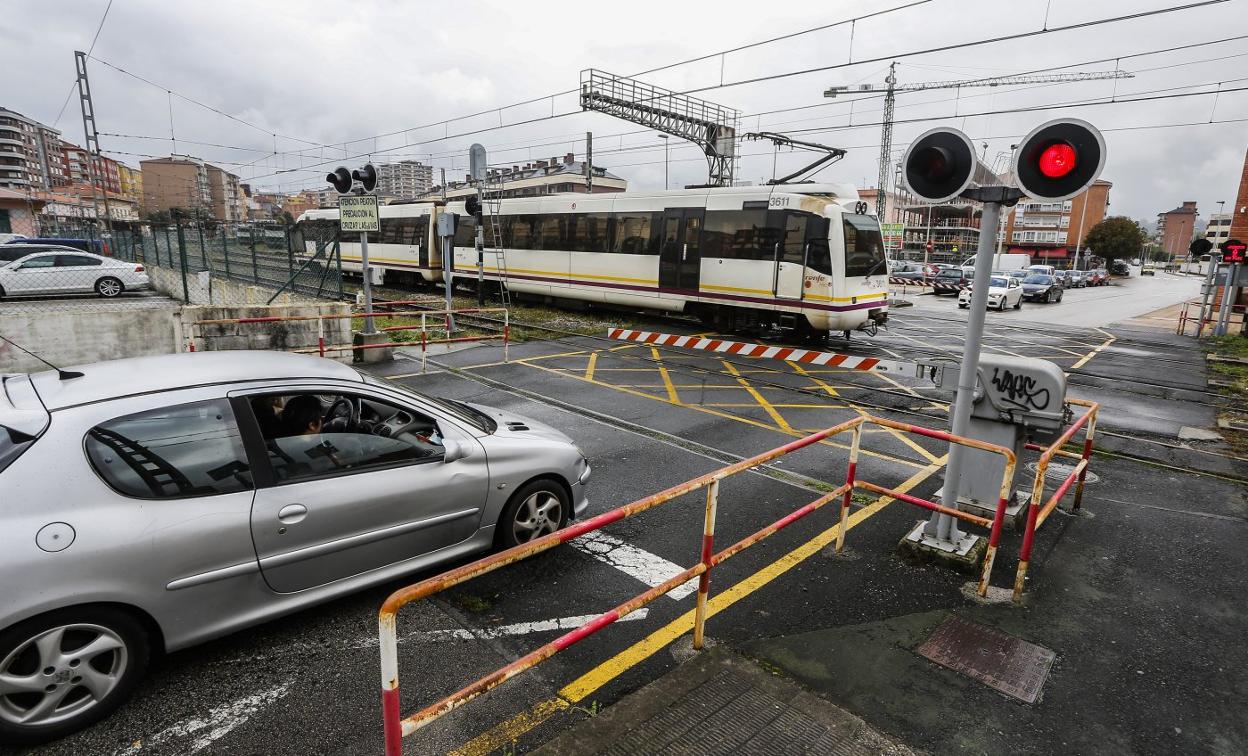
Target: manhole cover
1060,471
998,660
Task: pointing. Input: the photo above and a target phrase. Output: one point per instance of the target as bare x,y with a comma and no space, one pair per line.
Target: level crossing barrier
396,726
322,349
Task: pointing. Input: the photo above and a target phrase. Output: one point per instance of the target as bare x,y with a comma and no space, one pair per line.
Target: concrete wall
282,336
83,335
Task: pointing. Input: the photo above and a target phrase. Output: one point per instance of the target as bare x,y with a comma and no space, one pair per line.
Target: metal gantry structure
710,126
891,88
95,161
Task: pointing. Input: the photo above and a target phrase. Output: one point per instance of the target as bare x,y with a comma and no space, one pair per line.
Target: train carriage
804,257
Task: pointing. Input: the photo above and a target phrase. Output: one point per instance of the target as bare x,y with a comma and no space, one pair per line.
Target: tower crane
891,87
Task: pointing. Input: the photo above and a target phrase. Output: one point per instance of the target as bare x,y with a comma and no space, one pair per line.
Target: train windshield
864,247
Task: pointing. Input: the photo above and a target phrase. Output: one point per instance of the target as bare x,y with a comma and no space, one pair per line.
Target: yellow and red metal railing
322,348
1037,514
396,726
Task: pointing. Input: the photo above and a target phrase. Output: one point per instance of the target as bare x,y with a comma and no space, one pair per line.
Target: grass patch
471,603
1236,347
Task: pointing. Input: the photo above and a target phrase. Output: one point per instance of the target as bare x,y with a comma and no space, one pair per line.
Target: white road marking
636,563
520,628
221,720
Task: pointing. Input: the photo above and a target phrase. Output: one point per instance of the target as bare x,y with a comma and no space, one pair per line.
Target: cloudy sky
300,86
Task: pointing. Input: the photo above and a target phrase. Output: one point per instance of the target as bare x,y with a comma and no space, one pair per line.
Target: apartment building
30,155
226,196
406,179
554,176
1055,231
1175,229
77,161
188,184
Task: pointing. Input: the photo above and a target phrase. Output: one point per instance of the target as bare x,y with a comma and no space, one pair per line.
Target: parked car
6,238
1093,277
1042,288
94,246
950,281
1147,269
1047,270
1065,277
1120,268
1003,292
160,502
11,252
907,270
1077,279
68,271
1102,276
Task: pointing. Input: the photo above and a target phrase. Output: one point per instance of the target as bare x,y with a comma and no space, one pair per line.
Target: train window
550,231
818,255
864,249
794,238
466,231
632,234
587,233
739,235
522,232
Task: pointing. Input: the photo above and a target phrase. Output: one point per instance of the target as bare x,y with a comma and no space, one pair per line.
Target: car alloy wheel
108,287
538,509
65,670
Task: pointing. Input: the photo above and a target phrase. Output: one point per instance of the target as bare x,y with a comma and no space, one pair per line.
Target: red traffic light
1057,160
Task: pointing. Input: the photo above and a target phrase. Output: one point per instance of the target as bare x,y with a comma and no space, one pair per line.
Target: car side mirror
453,450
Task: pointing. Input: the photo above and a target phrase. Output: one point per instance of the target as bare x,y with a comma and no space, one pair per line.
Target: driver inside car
302,416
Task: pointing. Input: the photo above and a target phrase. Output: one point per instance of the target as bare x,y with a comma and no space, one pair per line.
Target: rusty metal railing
396,726
1038,514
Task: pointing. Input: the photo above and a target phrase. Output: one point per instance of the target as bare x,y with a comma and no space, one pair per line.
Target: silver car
68,271
165,501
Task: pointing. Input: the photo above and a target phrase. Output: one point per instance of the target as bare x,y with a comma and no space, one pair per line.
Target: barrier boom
931,371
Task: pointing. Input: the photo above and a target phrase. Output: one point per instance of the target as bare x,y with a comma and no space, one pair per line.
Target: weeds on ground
1235,347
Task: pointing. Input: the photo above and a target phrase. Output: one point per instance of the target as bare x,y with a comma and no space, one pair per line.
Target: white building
407,179
1219,228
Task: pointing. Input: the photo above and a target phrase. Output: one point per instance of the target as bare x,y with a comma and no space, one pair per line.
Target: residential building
406,179
552,176
892,204
1175,230
1239,211
192,186
29,153
131,182
298,204
1052,232
76,160
329,197
18,212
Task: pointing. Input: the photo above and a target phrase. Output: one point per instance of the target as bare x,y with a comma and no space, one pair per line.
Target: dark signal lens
936,164
1057,160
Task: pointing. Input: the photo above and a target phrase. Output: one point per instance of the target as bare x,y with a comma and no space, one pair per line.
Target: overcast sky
330,73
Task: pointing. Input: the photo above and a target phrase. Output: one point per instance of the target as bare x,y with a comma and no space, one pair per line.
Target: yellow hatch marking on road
589,368
767,407
1112,338
587,684
725,415
672,396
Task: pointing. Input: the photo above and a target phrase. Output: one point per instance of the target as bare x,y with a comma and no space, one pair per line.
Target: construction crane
891,88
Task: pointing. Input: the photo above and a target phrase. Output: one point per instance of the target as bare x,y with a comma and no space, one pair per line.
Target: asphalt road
648,418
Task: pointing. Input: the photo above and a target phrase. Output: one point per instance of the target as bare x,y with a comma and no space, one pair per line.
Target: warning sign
358,213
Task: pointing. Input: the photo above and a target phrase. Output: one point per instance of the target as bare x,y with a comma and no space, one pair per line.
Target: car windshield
950,273
999,283
1038,278
473,417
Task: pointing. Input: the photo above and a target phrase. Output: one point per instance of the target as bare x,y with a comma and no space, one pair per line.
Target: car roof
35,247
115,379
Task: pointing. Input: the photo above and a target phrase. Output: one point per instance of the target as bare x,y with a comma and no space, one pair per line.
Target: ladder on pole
492,206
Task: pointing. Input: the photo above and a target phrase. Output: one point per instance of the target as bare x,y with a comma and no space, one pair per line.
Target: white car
70,272
1003,291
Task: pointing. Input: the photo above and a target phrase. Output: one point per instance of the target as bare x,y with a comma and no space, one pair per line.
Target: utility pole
95,161
666,143
589,162
1083,212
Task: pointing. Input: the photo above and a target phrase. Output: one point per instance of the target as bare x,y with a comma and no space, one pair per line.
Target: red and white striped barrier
763,351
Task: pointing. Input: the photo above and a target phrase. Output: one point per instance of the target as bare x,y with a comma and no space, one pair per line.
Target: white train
805,257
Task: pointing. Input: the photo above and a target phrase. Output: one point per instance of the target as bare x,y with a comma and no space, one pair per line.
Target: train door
680,257
790,258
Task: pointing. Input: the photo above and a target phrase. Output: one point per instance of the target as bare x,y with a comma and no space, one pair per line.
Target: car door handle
292,513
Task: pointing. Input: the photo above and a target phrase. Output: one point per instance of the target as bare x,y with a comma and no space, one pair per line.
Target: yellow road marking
672,396
767,407
1087,357
589,368
587,684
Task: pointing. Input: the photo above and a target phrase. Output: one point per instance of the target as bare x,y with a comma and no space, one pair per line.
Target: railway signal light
941,165
1200,246
341,179
367,176
472,205
1059,159
1234,251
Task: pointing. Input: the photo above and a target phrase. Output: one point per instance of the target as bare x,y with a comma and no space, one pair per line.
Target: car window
43,261
76,260
999,283
1038,278
950,273
172,452
310,436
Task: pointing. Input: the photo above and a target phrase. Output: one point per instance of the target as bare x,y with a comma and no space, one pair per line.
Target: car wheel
537,509
1048,298
109,287
67,669
962,306
1019,304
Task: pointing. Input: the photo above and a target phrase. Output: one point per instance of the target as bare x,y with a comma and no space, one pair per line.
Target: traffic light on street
1059,159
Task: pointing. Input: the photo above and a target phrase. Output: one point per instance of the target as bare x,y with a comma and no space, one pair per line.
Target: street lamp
664,137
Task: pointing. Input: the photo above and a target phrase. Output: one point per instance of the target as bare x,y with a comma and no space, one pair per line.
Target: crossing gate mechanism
1017,399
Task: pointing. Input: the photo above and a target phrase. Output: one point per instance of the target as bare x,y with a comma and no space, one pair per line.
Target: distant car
1077,279
6,238
156,503
1003,292
907,270
1147,269
950,281
1065,277
1040,287
1019,274
94,246
1120,268
1102,276
1047,270
1093,277
70,272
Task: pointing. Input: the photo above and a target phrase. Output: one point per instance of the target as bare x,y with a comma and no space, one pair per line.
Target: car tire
109,287
539,508
115,670
1048,297
1019,304
962,306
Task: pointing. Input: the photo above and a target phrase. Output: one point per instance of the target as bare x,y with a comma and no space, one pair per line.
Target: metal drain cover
998,660
1059,471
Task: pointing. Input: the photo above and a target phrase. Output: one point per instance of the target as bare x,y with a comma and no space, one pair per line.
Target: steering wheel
342,416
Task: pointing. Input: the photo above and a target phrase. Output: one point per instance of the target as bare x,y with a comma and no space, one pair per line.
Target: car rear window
950,273
171,453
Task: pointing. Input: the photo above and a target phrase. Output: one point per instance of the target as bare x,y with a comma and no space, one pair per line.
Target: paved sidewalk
721,703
